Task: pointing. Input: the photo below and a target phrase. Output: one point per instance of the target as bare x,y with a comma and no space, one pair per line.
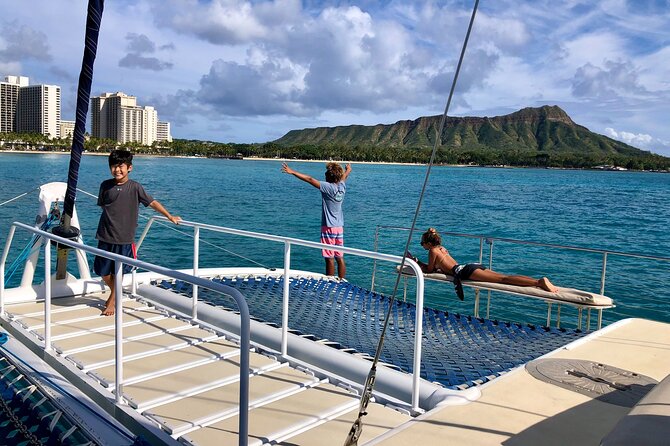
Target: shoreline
292,160
246,158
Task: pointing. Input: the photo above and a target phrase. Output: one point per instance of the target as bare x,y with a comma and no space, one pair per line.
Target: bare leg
486,275
109,305
330,266
341,267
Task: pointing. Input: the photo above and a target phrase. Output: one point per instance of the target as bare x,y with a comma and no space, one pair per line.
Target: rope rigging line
52,219
357,426
19,196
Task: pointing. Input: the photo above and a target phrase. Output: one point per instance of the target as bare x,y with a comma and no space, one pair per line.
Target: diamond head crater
531,137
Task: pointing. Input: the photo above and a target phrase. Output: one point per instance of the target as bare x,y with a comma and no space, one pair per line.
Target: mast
93,19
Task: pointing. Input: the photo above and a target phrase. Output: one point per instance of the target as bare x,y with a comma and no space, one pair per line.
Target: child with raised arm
120,198
440,260
332,217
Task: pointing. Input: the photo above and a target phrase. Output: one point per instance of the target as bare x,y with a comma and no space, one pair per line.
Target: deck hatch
604,382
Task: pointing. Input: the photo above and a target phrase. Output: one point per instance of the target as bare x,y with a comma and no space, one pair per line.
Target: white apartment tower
117,116
9,100
66,128
38,110
163,132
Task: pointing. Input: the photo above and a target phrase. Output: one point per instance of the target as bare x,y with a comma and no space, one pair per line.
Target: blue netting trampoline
458,351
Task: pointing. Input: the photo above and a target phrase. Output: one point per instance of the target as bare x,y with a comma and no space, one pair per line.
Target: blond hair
334,172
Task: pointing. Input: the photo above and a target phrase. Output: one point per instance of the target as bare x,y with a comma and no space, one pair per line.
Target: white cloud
640,140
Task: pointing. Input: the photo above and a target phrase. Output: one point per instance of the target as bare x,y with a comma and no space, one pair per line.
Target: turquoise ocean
616,211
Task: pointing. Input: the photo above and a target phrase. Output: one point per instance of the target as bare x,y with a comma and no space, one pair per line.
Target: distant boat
239,156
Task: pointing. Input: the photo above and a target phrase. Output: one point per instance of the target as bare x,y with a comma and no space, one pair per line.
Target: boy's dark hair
119,156
334,172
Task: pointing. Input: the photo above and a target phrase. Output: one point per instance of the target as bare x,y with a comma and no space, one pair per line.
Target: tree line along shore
363,153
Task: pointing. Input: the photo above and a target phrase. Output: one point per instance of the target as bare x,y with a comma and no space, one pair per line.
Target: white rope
19,196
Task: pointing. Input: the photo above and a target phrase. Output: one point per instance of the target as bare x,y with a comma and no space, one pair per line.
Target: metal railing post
374,261
5,253
245,325
196,264
602,276
418,334
47,295
118,326
285,301
488,294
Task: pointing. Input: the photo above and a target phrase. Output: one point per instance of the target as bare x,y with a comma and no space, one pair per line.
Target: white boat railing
120,260
489,240
288,242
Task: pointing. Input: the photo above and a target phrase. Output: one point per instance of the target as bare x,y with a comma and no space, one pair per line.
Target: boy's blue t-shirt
332,196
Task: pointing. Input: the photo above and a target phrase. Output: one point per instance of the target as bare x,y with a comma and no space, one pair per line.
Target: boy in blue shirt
332,217
119,198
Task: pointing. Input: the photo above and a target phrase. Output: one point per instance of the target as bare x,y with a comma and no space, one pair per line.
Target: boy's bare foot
108,311
546,285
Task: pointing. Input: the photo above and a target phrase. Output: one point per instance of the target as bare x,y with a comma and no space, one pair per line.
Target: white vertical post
579,318
5,252
603,274
118,326
287,272
196,261
133,284
374,262
418,337
47,294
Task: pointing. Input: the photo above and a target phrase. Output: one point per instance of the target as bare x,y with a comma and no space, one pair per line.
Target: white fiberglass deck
185,378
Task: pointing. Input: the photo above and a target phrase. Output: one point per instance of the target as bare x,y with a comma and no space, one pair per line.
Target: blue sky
249,71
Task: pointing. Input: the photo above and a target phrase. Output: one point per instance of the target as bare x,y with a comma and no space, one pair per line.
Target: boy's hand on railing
174,219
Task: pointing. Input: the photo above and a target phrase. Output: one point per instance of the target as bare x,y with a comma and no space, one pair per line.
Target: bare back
439,259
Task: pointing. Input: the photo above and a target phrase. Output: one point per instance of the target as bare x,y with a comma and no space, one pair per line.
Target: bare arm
306,178
156,206
347,171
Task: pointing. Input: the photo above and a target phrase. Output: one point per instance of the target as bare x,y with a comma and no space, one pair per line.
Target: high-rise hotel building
117,116
9,100
26,108
163,132
38,110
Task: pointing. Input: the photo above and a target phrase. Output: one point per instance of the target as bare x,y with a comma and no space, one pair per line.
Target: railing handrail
288,241
275,238
245,325
547,245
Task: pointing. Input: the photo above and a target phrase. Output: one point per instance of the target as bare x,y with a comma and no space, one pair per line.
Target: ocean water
616,211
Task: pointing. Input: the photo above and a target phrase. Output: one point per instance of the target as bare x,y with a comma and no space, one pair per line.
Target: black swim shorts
103,266
463,272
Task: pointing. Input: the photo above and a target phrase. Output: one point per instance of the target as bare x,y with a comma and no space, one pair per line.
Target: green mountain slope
546,129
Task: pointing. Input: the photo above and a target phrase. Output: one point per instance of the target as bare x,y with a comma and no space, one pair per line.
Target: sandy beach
250,158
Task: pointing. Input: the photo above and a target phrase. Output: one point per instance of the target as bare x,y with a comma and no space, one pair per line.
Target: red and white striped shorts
332,236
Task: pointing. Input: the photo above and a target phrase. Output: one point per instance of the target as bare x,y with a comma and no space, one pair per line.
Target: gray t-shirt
120,208
332,196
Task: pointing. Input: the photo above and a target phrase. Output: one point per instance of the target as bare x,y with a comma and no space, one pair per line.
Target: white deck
184,379
518,409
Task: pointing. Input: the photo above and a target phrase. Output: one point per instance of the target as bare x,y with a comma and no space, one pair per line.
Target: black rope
94,16
357,426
